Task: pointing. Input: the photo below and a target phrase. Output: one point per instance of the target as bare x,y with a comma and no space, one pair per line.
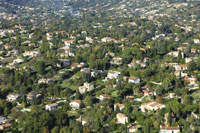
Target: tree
147,126
40,67
55,130
192,66
179,58
159,91
88,101
167,84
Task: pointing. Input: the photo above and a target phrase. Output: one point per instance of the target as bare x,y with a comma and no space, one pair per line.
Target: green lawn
73,113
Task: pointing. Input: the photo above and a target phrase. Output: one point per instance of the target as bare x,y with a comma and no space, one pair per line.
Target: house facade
51,107
76,104
134,80
121,118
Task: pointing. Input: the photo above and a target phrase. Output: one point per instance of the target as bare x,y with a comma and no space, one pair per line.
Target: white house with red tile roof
89,39
31,53
67,42
191,80
151,106
106,39
113,75
121,118
51,107
169,129
103,96
181,48
134,80
75,104
12,97
116,61
86,87
132,128
175,53
74,65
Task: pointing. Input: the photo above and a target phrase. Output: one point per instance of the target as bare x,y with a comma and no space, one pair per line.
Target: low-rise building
151,106
116,61
134,80
191,80
170,129
5,126
12,97
31,53
121,118
75,104
51,107
113,75
86,87
104,96
67,42
2,119
132,128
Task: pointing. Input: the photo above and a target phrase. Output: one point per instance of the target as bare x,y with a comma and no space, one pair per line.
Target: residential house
3,119
18,61
132,128
175,53
113,75
86,87
104,96
116,61
134,80
148,92
106,39
51,107
181,67
31,53
121,118
67,42
49,36
89,39
75,65
169,129
196,41
5,126
44,81
191,80
181,48
151,106
120,106
180,73
75,104
12,97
